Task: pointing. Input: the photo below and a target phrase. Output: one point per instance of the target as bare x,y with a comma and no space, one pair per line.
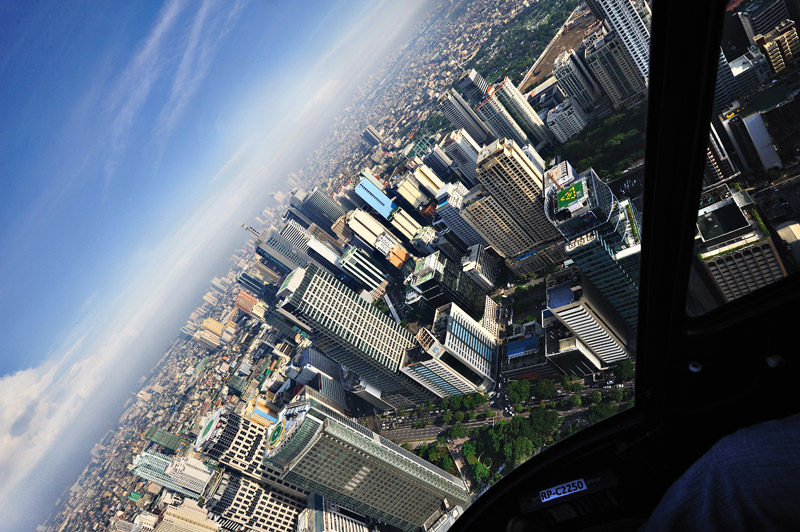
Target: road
407,432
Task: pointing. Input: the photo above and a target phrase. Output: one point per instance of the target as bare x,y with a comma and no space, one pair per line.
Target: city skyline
408,315
171,154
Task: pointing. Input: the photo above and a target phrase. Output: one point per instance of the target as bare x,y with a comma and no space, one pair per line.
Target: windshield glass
747,230
333,263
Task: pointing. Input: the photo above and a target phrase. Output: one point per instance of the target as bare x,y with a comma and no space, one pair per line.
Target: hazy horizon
139,141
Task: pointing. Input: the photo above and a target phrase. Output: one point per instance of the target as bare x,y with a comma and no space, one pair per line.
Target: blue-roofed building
522,347
371,191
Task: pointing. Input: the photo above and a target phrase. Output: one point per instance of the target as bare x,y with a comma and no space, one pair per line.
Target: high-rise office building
461,115
747,131
573,300
499,120
616,71
780,46
602,235
350,465
186,475
362,268
372,233
408,189
326,516
404,223
279,254
472,86
238,444
240,503
251,283
575,80
438,161
725,88
321,208
267,274
457,355
296,234
188,517
500,230
480,267
513,180
369,342
372,136
370,189
623,17
750,71
450,199
719,165
463,150
523,114
736,250
427,180
566,120
440,281
761,16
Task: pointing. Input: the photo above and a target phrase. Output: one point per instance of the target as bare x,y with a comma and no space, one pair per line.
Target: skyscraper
480,267
457,354
321,208
461,115
242,502
589,317
735,248
372,136
566,120
369,342
463,150
370,189
780,45
438,161
448,213
516,184
186,475
761,16
725,88
188,517
518,107
499,120
441,281
323,515
575,80
278,253
601,232
238,443
500,230
350,465
472,86
358,264
616,71
623,18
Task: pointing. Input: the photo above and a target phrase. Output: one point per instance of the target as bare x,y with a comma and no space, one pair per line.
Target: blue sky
134,136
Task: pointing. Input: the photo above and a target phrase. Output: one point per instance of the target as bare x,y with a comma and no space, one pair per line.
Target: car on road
619,386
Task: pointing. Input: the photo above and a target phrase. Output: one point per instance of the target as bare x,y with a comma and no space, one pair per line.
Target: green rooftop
570,195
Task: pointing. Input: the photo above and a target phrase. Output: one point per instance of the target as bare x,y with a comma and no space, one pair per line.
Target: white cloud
209,27
40,404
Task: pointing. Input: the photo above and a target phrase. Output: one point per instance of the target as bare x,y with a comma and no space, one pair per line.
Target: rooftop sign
570,195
